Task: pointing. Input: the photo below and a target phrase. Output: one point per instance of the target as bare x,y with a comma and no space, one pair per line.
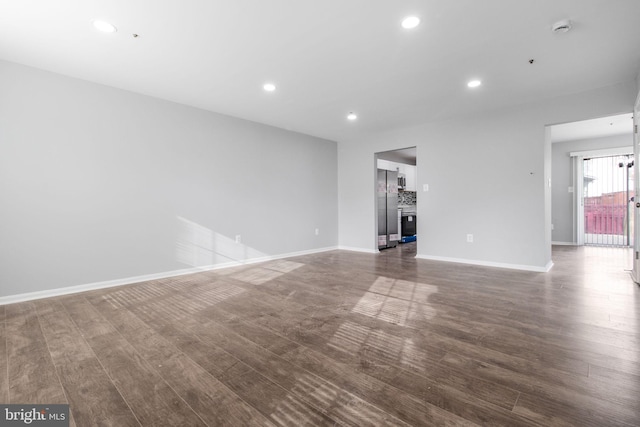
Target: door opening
396,201
608,192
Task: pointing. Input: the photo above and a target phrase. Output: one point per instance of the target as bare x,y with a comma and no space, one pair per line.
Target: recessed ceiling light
474,83
352,116
410,22
104,26
269,87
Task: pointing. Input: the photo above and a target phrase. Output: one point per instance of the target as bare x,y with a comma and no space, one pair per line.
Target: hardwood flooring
340,338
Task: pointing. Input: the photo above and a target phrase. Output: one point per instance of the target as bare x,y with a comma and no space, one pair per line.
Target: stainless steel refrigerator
388,233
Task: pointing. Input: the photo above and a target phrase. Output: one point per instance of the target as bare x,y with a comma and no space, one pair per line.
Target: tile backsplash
406,198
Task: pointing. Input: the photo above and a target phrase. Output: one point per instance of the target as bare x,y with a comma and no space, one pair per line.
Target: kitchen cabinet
408,171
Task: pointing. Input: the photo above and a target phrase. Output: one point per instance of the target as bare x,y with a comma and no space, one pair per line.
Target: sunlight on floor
266,272
336,402
375,344
290,411
396,301
171,298
601,262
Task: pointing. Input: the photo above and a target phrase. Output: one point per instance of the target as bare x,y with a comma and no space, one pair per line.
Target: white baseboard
533,268
564,243
11,299
353,249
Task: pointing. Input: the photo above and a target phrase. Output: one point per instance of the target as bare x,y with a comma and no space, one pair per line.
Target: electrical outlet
238,238
570,189
469,238
317,231
552,227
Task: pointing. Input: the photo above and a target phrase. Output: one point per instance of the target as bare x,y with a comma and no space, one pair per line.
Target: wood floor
340,338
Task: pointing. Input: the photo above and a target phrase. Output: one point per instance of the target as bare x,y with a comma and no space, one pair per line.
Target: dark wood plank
336,402
422,406
84,316
578,411
148,395
624,382
579,393
205,352
32,375
370,363
48,305
462,330
279,371
281,407
4,367
93,398
208,397
366,345
264,338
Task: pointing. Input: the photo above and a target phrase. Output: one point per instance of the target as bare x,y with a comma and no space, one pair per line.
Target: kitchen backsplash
406,198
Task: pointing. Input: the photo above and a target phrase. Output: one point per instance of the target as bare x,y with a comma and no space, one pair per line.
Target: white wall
100,184
487,176
562,203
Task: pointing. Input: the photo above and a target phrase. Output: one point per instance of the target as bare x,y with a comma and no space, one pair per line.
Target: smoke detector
561,26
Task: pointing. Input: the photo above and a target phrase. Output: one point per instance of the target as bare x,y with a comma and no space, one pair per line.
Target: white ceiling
621,124
330,57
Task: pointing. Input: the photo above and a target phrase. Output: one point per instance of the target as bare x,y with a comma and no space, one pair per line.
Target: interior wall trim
533,268
29,296
604,152
564,243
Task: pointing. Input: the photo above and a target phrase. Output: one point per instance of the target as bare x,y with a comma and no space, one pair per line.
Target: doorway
396,198
608,192
589,194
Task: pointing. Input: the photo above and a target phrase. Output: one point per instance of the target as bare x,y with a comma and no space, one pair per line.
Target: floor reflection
336,402
396,301
266,272
376,345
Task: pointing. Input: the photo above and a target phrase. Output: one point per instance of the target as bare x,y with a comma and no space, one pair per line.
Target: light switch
425,187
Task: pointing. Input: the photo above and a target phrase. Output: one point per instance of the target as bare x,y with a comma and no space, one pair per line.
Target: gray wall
100,184
488,176
563,201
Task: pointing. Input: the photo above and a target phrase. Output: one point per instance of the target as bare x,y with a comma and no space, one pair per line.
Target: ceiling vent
561,26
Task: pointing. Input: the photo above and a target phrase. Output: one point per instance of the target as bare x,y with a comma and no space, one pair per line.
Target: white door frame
635,271
578,193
